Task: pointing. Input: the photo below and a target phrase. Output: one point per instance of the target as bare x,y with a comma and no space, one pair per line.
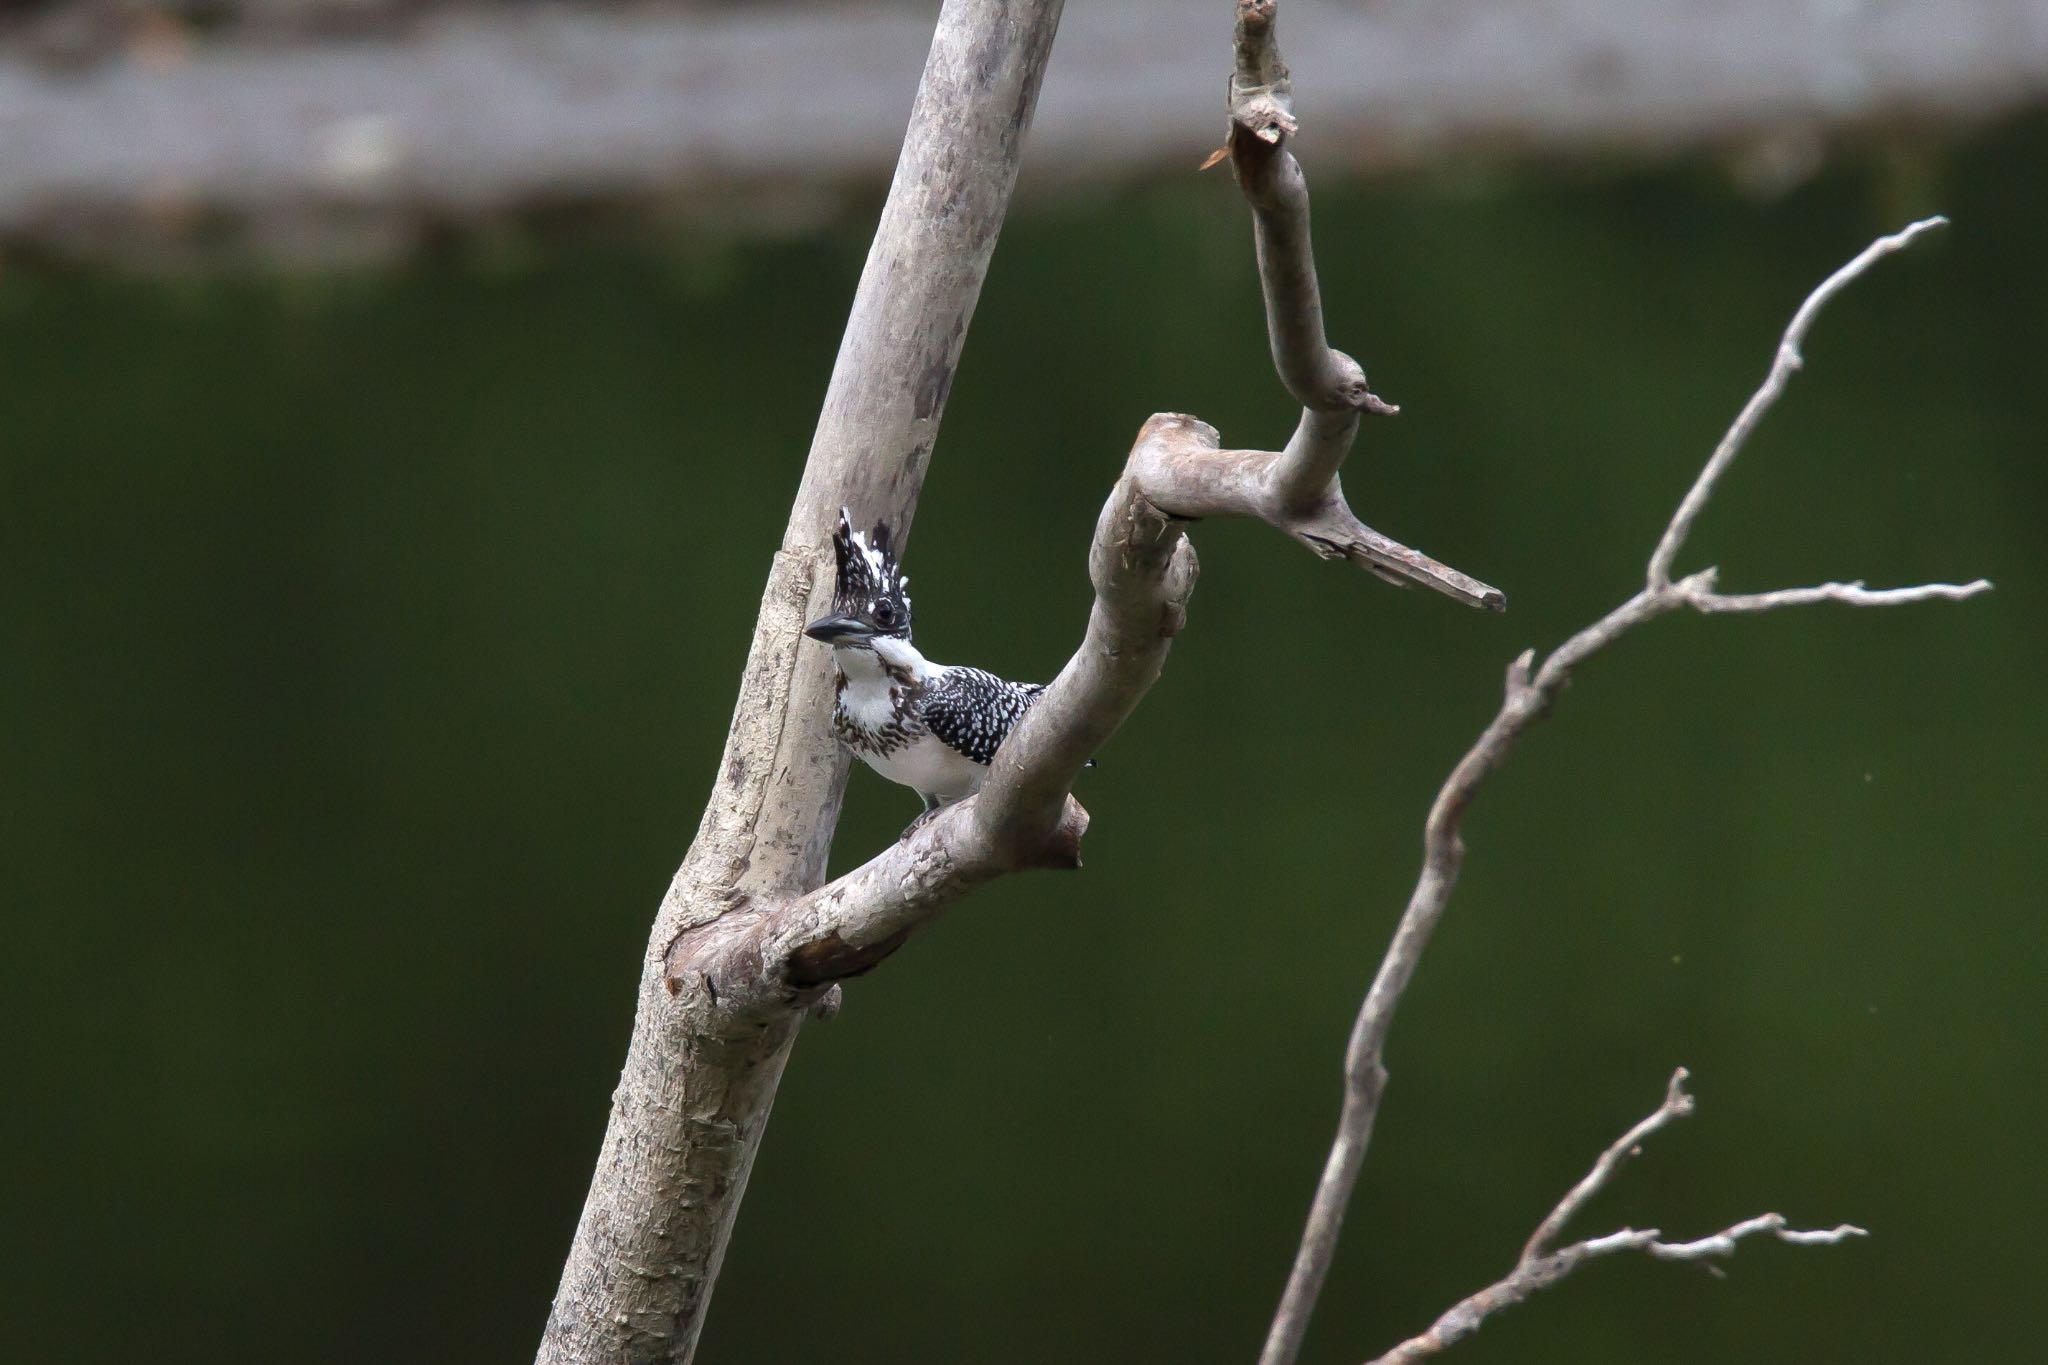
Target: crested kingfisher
932,727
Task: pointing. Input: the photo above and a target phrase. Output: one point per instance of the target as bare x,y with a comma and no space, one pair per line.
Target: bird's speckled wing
972,712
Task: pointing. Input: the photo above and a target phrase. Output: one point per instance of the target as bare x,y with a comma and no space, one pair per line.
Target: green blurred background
370,640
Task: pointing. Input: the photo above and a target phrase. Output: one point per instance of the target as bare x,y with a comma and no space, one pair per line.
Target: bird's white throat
885,664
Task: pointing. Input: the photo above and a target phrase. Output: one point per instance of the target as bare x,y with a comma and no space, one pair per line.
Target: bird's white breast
870,699
927,766
869,702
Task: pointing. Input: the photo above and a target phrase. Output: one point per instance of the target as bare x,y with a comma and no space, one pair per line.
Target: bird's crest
870,586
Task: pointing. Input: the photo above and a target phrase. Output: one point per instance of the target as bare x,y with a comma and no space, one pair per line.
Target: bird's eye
885,613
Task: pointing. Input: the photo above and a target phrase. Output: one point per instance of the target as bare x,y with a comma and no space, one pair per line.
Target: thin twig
1529,694
1788,359
1538,1267
1677,1104
1851,594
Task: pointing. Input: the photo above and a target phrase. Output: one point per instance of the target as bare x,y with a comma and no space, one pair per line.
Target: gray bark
702,1068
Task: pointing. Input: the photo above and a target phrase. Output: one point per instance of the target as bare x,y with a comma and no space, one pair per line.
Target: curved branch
1143,568
1529,694
1301,491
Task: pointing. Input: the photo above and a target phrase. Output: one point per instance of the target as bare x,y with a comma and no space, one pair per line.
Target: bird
932,727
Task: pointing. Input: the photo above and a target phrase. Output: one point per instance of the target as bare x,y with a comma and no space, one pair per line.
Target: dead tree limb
1530,693
745,945
1540,1267
1143,568
699,1078
1300,489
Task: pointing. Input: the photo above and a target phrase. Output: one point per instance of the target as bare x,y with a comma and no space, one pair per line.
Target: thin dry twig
1529,694
1677,1105
1788,359
1539,1267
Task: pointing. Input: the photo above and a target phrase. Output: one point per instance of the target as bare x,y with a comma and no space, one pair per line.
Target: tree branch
1301,492
1788,359
1529,694
1143,569
700,1076
1539,1267
1677,1105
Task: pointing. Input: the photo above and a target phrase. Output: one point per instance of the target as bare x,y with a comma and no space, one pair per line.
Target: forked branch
1539,1266
761,958
1529,694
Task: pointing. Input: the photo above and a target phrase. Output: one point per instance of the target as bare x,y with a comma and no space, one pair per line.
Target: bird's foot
924,818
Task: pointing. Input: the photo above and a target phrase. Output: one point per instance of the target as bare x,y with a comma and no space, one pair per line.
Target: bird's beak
834,628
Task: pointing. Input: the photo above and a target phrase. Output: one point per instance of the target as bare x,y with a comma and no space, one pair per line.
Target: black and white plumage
973,711
931,727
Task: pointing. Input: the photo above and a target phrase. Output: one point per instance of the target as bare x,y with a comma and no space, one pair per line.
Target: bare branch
1143,569
1723,1243
694,1095
1529,694
1469,1314
1851,594
1299,487
1787,359
1677,1105
1539,1268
